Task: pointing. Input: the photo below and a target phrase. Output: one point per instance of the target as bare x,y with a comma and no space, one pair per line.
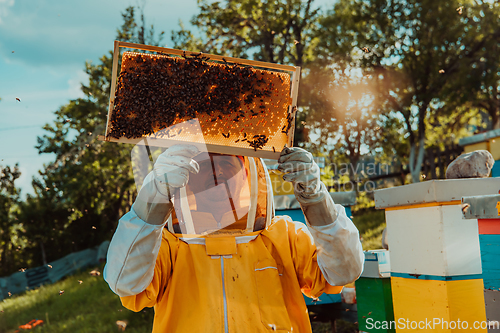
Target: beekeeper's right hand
171,171
172,168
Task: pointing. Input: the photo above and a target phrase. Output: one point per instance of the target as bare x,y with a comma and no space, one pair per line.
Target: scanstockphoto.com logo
431,324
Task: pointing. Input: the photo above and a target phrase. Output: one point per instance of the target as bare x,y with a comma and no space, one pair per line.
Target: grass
370,224
91,306
87,307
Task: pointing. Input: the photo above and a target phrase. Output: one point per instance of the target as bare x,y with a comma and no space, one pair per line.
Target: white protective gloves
170,172
300,169
172,168
340,255
135,245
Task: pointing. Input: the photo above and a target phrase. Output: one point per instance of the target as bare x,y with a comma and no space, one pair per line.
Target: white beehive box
377,264
426,232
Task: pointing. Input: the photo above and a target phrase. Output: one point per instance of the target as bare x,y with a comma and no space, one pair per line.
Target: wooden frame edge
117,44
294,95
116,53
210,56
209,147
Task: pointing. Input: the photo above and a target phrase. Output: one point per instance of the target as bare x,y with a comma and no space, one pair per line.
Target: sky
44,45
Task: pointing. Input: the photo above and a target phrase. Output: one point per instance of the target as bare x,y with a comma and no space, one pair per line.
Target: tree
480,90
420,48
80,196
342,112
9,228
272,31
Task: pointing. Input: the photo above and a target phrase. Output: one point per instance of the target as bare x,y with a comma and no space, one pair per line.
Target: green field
370,224
89,306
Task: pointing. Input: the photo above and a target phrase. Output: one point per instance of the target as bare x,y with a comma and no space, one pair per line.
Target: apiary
486,209
436,269
243,107
373,292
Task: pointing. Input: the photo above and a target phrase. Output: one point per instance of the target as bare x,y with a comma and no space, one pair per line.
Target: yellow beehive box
476,146
242,107
495,148
489,141
438,306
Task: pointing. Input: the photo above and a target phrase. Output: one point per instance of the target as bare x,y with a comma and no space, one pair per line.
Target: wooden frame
294,81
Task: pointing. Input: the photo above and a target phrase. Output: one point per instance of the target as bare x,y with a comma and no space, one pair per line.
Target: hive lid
433,191
244,107
481,207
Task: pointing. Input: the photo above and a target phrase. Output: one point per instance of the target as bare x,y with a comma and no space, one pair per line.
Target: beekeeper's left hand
299,168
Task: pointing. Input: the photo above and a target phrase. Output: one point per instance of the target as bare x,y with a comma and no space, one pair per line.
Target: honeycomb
236,106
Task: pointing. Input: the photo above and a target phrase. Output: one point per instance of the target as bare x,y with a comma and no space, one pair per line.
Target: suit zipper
226,326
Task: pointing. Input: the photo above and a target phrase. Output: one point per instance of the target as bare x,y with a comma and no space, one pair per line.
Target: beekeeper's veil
230,195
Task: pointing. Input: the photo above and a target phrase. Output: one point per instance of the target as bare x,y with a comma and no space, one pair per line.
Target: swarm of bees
258,141
155,92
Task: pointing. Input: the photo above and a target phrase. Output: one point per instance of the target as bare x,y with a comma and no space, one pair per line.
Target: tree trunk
416,159
44,257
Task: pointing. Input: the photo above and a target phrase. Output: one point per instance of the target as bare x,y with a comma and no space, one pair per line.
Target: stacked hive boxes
486,209
374,295
435,257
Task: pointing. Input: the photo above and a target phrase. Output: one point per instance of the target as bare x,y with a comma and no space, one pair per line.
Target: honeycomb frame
261,124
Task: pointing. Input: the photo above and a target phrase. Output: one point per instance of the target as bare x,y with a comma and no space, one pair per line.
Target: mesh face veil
229,196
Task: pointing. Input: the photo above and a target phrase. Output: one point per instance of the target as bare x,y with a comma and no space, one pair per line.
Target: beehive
435,255
243,107
486,208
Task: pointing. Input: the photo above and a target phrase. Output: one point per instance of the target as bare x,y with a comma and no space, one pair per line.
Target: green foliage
271,31
89,306
10,229
417,52
370,224
341,111
80,196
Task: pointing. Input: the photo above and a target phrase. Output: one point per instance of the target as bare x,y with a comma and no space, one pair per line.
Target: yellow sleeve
304,254
149,296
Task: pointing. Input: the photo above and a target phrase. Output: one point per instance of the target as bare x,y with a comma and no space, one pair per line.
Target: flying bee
460,10
365,49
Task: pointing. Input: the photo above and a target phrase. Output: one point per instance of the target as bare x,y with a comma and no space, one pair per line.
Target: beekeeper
202,245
